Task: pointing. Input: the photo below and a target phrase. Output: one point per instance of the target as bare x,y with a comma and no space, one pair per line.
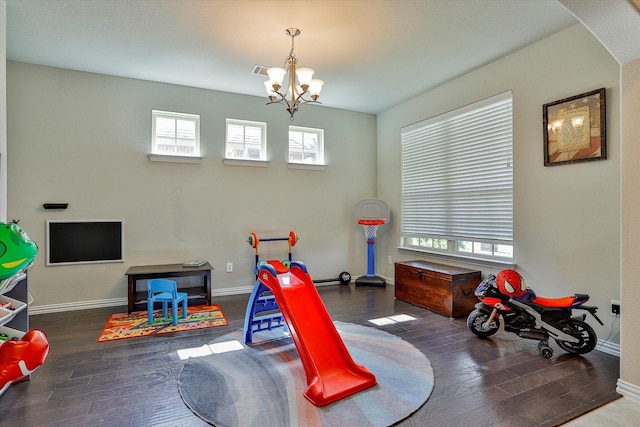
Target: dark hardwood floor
500,381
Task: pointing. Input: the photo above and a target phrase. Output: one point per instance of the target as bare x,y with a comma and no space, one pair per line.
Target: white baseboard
609,348
231,291
628,390
114,302
73,306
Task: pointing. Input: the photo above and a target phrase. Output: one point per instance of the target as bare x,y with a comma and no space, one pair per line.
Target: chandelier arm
300,100
297,102
305,101
283,100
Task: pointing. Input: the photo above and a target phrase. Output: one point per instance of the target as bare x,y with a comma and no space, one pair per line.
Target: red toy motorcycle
506,297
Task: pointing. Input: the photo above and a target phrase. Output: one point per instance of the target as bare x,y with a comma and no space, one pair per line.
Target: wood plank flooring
623,412
500,381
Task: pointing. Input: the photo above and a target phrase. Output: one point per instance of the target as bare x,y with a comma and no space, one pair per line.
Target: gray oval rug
262,384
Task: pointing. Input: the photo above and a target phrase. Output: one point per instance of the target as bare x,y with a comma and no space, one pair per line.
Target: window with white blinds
175,134
457,181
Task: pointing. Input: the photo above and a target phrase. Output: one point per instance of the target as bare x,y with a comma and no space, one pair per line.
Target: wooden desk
165,271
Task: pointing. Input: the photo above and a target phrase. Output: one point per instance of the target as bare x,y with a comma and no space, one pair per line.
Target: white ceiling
372,54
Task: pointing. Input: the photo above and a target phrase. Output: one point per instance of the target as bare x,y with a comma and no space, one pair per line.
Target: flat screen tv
84,241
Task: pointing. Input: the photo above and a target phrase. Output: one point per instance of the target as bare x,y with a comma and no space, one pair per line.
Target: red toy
331,372
19,358
511,283
505,298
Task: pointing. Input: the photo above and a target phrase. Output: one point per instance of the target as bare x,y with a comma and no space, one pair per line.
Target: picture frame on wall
575,129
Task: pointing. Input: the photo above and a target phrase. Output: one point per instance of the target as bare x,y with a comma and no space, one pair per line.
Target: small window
306,145
175,134
246,140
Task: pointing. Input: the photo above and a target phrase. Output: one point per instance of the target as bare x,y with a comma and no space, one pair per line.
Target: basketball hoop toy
371,213
370,232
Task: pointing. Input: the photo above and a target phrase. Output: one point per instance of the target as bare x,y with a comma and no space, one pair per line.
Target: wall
566,218
84,138
3,111
629,362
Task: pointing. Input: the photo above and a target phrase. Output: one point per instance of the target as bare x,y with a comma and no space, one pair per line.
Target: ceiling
372,54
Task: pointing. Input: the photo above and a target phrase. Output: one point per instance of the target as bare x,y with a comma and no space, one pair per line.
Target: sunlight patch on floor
391,320
208,349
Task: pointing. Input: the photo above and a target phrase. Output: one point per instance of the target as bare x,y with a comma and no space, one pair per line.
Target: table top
165,268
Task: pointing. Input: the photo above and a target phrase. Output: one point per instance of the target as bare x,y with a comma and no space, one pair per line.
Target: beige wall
3,111
83,139
566,218
630,363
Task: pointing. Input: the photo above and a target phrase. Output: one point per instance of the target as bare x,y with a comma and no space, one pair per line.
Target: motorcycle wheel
582,331
475,321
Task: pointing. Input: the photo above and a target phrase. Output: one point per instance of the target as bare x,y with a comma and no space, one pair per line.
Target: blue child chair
166,291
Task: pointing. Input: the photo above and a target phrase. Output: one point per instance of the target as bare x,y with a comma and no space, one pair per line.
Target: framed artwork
575,129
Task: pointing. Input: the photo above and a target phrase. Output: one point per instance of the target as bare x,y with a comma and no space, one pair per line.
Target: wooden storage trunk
440,288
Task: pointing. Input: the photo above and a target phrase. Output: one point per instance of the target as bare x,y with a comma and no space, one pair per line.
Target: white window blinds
457,174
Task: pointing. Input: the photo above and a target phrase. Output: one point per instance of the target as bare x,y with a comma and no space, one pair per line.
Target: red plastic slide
331,372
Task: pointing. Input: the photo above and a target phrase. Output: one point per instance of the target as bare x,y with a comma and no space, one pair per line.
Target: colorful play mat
134,325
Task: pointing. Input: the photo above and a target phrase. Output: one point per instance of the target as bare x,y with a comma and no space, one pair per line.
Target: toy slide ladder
330,371
263,313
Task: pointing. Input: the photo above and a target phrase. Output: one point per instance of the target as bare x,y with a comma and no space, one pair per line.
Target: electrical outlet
615,308
229,267
390,260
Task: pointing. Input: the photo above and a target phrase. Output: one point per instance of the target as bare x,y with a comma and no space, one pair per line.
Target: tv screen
85,241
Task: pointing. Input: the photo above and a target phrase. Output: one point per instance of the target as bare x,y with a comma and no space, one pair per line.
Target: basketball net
370,228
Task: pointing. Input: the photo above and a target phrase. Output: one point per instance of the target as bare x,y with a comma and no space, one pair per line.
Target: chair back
162,285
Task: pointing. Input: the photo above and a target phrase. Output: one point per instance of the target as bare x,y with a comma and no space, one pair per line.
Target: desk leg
131,297
207,287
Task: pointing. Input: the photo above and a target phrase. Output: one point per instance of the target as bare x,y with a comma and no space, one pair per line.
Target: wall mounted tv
84,241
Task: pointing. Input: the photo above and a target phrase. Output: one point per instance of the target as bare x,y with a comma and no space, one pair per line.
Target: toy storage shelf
15,323
9,309
440,288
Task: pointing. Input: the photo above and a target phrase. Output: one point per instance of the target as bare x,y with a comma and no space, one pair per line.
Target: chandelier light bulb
276,75
315,86
270,93
304,77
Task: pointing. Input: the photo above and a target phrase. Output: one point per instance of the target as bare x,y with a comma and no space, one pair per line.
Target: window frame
319,133
494,246
244,158
159,155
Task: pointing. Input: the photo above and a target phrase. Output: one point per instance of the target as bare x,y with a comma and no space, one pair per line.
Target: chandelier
294,93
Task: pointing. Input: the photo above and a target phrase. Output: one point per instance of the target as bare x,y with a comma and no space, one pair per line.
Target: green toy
17,252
